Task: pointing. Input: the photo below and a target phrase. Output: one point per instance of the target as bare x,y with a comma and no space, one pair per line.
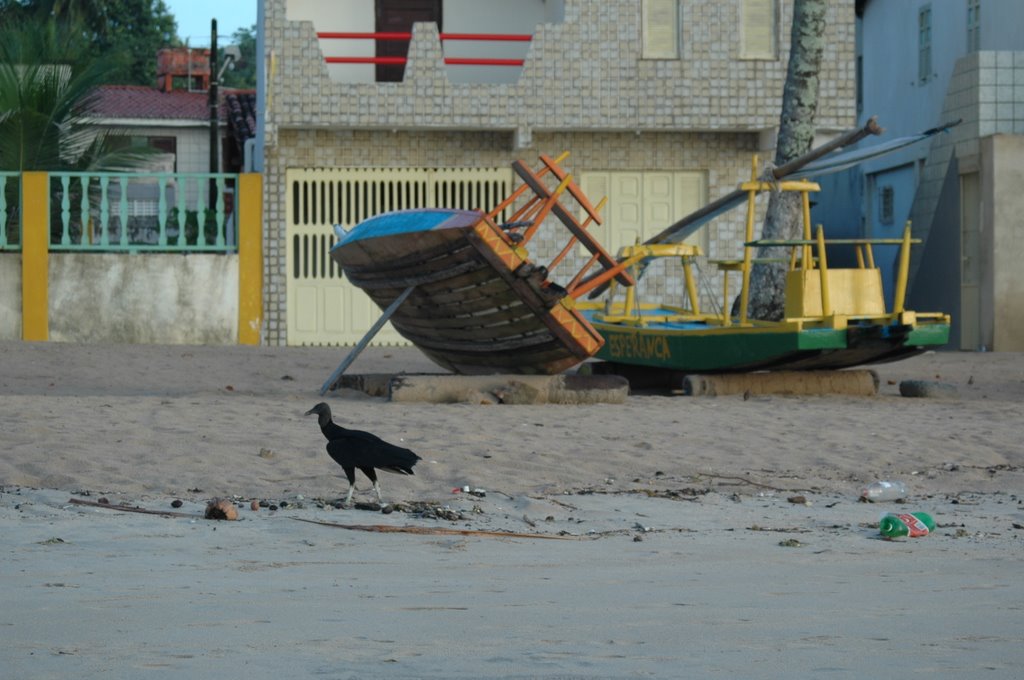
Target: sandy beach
667,541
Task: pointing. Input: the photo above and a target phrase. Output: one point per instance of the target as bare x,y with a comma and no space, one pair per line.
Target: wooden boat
460,285
834,318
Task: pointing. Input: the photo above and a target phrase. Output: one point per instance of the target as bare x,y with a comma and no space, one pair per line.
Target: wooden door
398,16
641,204
626,209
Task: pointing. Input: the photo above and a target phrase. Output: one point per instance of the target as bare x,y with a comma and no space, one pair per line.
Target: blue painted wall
892,89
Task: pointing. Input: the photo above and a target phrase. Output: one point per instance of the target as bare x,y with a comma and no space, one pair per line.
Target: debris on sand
219,508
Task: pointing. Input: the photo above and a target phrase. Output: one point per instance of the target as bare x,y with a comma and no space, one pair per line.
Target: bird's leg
376,487
351,490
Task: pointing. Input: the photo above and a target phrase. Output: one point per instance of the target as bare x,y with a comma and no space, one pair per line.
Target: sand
678,551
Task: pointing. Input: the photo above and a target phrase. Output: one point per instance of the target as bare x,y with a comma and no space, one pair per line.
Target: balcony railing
129,212
399,37
10,199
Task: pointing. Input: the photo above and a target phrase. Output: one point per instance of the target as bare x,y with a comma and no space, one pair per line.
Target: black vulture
353,449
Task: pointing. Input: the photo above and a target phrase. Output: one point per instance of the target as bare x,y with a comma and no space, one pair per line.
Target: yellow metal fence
323,309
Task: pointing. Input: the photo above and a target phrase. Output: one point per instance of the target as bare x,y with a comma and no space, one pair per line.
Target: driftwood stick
432,531
745,480
126,508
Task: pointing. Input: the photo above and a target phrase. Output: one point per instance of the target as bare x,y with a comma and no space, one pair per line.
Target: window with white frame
759,29
973,25
660,29
924,44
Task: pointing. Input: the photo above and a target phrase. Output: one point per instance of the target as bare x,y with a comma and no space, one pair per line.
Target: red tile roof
237,107
138,101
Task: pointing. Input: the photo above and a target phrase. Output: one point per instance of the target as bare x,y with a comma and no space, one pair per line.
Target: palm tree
47,84
796,135
127,32
45,90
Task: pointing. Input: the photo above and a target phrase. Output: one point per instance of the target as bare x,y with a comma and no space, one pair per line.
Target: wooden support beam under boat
361,345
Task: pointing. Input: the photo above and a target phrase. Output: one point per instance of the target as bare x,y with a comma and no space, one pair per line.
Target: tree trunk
796,136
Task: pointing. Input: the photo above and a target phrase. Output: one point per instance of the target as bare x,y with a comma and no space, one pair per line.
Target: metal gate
323,308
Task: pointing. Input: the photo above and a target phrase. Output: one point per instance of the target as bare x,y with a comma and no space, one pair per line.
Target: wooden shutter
660,29
758,26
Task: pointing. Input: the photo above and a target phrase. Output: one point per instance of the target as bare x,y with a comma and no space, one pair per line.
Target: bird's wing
362,449
368,437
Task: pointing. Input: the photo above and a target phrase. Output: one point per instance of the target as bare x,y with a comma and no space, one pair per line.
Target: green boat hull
700,348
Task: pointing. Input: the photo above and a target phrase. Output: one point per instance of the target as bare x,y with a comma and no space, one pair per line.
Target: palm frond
45,94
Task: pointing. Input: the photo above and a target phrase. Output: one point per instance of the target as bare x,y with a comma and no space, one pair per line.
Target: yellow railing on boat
815,294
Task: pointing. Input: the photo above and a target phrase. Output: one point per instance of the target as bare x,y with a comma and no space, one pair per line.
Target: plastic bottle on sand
885,490
912,524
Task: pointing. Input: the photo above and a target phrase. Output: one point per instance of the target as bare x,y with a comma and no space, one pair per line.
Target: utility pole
214,119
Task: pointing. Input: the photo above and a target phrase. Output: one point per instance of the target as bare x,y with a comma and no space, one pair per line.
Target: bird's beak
309,412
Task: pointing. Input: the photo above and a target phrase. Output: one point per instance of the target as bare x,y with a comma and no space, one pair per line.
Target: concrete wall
1000,312
1003,306
153,298
341,16
192,139
1000,23
891,88
10,296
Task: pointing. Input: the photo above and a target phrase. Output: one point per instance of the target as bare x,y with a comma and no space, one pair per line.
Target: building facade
661,104
924,63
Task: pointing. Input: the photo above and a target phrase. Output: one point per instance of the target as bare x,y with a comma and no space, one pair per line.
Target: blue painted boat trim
410,221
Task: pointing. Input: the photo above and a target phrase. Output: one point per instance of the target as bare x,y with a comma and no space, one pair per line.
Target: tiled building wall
986,93
584,89
584,73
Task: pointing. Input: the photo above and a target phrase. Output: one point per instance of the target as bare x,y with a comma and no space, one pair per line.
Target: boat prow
474,301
